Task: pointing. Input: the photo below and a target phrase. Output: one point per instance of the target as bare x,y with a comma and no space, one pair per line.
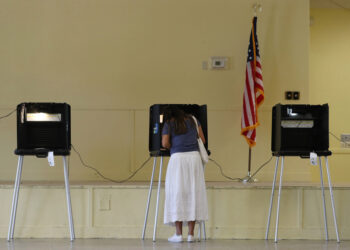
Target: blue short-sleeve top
183,142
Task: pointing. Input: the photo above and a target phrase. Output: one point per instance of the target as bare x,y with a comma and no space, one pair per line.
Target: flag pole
255,79
249,161
248,178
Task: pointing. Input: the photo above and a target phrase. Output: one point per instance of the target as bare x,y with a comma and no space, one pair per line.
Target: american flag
253,91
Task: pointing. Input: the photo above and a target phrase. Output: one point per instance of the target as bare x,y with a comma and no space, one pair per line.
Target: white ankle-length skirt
185,192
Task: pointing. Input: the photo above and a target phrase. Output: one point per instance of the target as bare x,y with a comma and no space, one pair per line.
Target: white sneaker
175,238
190,238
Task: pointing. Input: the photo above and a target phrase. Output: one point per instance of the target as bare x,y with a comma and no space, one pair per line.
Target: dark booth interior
298,130
156,125
43,127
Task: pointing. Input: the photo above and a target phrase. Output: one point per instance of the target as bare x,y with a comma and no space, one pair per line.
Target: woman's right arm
166,136
166,141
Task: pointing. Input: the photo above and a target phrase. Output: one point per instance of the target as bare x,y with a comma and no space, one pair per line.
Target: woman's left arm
201,134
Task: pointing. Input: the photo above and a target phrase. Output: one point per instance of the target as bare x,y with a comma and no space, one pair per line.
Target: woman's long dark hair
173,113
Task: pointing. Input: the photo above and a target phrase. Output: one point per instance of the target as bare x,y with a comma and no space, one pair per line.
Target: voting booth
298,130
43,127
301,130
43,130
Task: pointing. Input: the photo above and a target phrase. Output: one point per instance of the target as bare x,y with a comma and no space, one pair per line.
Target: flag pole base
249,179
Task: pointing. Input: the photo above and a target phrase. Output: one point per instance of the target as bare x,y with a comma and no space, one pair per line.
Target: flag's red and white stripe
253,97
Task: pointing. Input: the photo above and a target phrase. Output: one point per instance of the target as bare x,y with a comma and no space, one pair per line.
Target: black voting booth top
40,137
301,154
298,130
156,125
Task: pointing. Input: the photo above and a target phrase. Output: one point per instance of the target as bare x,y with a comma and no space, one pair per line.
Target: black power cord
336,137
240,179
106,178
4,116
210,159
339,5
222,173
145,162
263,165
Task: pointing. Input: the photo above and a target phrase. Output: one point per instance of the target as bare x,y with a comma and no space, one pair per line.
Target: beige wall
329,79
111,60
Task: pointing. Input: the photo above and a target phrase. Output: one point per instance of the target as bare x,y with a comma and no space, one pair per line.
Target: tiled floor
125,244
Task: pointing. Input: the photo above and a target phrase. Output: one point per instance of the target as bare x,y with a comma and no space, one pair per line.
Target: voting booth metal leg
323,199
279,199
201,225
69,205
149,198
271,199
332,200
204,231
201,231
15,198
16,193
158,194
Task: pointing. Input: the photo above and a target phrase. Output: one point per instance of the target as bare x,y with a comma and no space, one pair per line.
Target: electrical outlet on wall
288,95
345,140
296,95
292,95
105,203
